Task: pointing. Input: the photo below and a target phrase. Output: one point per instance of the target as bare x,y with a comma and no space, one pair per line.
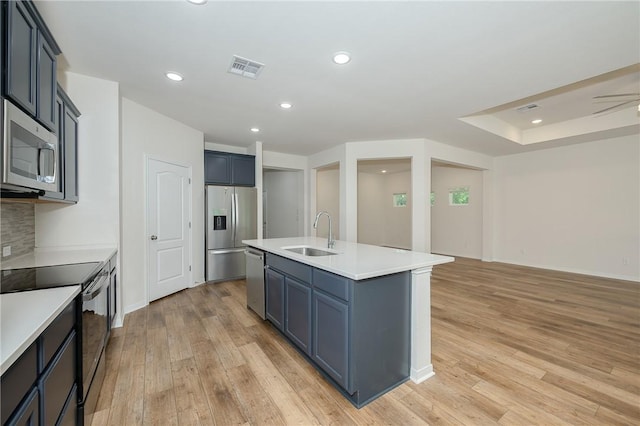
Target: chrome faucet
330,241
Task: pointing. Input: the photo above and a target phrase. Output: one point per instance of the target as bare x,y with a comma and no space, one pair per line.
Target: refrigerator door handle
235,219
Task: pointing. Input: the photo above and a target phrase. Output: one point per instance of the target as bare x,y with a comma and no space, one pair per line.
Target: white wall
148,133
456,230
328,199
294,163
94,220
379,222
574,208
284,191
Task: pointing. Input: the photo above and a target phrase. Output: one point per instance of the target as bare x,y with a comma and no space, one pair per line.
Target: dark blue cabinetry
297,321
30,75
275,298
357,333
40,387
66,118
223,168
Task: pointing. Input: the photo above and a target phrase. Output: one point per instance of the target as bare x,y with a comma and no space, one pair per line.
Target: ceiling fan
622,99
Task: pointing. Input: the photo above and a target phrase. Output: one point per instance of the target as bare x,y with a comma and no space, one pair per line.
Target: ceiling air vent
527,108
245,67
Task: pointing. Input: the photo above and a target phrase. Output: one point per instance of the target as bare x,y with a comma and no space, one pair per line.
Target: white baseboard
572,270
134,307
419,376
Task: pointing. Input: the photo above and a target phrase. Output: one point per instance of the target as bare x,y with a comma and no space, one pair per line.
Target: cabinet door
217,168
70,132
28,413
275,298
46,84
331,337
58,381
59,130
243,170
297,313
21,56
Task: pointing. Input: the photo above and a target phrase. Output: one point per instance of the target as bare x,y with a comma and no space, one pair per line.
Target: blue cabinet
40,387
66,118
223,168
297,321
274,299
357,333
331,336
30,73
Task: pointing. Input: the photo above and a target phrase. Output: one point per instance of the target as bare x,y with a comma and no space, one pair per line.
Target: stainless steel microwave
30,152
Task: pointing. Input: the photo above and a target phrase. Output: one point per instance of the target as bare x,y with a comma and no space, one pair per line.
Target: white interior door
168,220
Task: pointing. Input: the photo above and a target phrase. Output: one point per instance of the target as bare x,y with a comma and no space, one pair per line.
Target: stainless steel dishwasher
255,280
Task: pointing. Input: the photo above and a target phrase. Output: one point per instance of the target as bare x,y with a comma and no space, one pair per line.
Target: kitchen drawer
290,267
58,380
332,284
53,337
18,381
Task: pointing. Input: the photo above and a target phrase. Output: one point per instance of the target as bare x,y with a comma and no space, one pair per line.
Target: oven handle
96,288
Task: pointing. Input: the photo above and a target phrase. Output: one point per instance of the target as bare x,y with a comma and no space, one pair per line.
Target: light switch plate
6,251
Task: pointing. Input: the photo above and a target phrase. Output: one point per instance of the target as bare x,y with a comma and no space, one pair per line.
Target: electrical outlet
6,251
625,260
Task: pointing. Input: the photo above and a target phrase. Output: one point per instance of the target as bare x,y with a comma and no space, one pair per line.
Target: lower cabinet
355,332
331,336
275,298
297,313
40,387
29,412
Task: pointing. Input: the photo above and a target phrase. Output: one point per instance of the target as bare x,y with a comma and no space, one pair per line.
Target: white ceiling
417,67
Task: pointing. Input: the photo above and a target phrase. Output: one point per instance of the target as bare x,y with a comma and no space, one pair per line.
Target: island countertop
352,260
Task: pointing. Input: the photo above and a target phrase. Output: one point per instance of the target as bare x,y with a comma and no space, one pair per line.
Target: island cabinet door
275,298
331,337
297,320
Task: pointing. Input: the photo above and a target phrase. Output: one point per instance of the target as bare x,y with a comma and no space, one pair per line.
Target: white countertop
24,316
355,261
58,256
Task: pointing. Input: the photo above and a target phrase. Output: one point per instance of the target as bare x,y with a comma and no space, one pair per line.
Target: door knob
154,237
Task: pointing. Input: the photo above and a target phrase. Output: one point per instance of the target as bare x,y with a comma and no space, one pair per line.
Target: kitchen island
361,313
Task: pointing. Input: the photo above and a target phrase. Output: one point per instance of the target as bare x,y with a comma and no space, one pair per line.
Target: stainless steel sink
310,251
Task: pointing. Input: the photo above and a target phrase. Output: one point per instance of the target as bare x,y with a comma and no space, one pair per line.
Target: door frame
145,231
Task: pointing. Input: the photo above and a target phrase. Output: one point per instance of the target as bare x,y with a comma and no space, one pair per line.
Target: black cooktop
26,279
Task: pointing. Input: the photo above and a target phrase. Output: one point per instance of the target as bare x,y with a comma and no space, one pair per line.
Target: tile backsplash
17,227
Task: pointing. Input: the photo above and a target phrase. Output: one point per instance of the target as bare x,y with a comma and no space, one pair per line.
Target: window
400,200
432,197
459,196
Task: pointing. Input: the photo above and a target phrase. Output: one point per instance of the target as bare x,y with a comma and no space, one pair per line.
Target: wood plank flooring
511,346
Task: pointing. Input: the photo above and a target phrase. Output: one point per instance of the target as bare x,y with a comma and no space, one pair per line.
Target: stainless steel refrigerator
231,218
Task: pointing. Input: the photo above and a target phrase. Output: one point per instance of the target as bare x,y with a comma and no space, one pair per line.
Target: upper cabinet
223,168
30,76
67,129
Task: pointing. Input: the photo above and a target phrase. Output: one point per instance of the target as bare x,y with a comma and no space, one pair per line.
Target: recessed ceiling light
255,129
285,105
341,58
383,171
197,1
174,76
536,121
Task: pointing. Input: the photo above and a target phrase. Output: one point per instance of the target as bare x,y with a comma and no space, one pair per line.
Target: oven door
30,152
94,329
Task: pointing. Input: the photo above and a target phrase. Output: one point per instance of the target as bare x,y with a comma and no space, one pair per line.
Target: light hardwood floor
511,345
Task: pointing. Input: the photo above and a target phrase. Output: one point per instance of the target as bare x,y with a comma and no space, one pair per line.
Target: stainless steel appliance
92,321
231,218
30,152
255,281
